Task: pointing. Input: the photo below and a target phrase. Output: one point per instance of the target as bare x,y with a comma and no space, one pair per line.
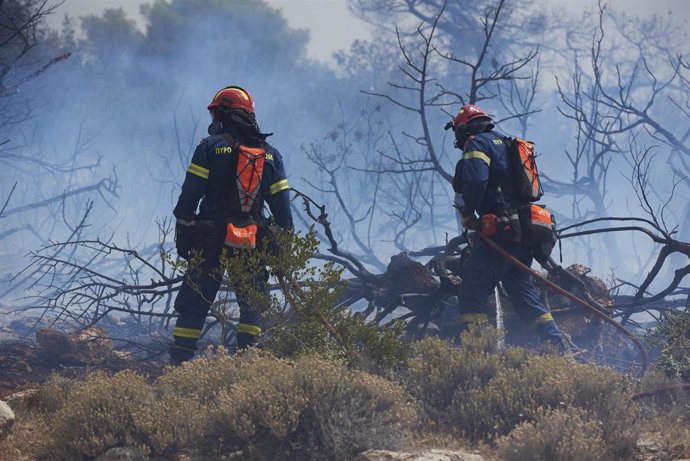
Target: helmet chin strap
216,127
463,132
245,123
460,140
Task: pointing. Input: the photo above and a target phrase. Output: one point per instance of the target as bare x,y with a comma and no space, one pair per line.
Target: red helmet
467,114
233,97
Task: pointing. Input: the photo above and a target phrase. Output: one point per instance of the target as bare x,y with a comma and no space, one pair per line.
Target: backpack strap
500,180
230,140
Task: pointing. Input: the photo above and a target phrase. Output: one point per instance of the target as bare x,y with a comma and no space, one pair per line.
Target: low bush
205,377
665,409
437,373
54,393
266,407
309,409
98,414
482,396
555,435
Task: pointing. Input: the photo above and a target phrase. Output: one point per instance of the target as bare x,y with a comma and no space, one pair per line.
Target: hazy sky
333,27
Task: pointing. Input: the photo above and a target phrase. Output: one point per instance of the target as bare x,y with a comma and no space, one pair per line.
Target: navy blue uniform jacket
207,180
485,156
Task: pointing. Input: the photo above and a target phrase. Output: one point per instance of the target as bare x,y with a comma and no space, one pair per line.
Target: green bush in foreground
98,414
306,317
555,435
266,407
483,395
672,337
525,405
310,409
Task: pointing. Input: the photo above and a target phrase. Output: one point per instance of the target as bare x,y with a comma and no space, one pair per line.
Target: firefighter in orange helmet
482,184
233,172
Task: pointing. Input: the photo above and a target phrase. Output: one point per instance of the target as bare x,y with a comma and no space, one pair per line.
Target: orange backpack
242,233
250,168
523,170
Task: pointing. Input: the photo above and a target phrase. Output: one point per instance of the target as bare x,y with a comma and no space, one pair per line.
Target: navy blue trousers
199,289
484,269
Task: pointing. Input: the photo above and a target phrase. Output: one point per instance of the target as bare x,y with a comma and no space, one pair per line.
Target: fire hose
644,357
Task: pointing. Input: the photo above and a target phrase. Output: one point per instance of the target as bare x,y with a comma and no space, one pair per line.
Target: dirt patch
26,366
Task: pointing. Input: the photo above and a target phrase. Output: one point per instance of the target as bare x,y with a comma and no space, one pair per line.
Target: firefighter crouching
232,172
494,190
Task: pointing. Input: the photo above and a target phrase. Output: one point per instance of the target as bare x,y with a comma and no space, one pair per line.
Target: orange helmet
233,97
467,114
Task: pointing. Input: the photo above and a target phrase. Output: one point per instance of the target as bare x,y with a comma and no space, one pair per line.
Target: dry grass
555,435
666,415
482,396
265,407
25,441
513,404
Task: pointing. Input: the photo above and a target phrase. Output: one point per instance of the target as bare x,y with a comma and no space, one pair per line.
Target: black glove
469,221
184,237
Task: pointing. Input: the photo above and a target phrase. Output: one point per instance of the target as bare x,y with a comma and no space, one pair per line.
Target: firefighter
482,186
232,173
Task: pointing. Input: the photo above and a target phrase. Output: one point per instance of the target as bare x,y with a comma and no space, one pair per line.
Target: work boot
561,346
553,340
247,335
245,341
475,323
179,354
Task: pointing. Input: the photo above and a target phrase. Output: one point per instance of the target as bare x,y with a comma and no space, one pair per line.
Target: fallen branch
661,390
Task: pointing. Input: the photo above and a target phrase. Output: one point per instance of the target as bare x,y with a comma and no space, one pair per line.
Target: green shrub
309,409
672,336
201,379
481,395
263,406
555,435
517,395
98,414
169,423
437,373
54,393
306,318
